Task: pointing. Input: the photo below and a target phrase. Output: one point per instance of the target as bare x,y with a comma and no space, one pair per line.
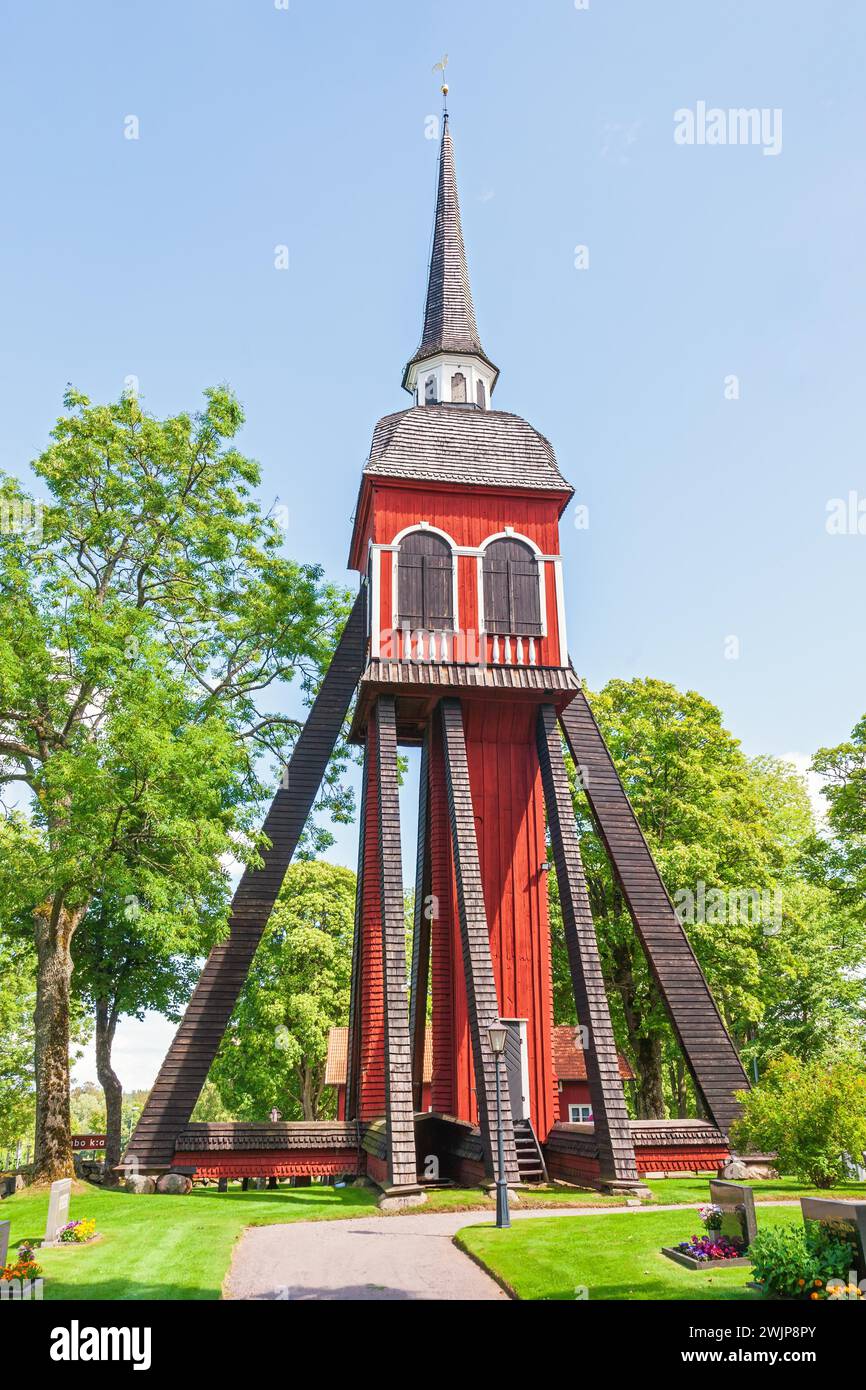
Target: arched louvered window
512,601
480,394
425,582
458,388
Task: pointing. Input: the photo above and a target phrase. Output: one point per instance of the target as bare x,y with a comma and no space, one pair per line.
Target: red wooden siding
570,1093
509,821
277,1163
469,516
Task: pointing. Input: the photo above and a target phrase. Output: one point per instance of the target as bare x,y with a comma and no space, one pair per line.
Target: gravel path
375,1257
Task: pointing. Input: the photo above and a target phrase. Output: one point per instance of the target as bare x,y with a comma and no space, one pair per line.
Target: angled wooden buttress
195,1044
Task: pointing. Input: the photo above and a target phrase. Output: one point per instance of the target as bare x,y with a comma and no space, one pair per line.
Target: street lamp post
496,1036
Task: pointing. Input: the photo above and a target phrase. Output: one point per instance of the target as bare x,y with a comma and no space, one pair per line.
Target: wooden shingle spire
449,314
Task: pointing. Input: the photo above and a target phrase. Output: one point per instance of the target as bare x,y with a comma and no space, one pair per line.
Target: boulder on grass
140,1185
178,1184
734,1170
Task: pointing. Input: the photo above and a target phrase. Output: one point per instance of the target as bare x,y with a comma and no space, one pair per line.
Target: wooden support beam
402,1167
420,973
610,1116
482,1004
194,1046
708,1050
356,1003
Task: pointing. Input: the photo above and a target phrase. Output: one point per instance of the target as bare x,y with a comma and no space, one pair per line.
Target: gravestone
846,1219
737,1205
4,1242
58,1208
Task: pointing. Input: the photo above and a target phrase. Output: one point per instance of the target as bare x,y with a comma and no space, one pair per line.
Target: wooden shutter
410,582
524,596
425,597
496,614
511,595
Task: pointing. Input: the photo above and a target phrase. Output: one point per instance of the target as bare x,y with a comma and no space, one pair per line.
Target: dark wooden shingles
615,1149
709,1052
356,1003
402,1168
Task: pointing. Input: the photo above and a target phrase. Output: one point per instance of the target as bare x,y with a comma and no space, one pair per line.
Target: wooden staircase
530,1160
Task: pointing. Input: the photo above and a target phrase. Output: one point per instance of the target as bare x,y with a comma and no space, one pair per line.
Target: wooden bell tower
457,644
457,536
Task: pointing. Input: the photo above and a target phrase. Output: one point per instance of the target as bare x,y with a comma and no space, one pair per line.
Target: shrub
799,1261
809,1113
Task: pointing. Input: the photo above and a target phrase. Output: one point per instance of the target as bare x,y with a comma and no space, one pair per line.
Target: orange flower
801,1282
819,1283
814,1295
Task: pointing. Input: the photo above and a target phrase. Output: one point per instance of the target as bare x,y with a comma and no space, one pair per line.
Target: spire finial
440,67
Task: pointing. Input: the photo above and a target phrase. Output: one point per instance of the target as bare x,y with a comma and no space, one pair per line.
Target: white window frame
580,1119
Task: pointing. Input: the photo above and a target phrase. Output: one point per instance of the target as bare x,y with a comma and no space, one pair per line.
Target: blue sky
305,127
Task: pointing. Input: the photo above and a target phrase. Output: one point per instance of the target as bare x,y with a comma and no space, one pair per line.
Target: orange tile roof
569,1063
338,1044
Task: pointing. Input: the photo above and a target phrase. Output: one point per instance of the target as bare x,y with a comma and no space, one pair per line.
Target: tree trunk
308,1102
54,928
650,1099
647,1050
106,1023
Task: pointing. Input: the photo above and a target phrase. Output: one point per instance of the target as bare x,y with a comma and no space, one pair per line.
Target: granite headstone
58,1208
736,1202
846,1219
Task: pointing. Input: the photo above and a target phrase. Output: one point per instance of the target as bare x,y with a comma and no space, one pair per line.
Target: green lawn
166,1247
473,1199
775,1190
615,1256
180,1247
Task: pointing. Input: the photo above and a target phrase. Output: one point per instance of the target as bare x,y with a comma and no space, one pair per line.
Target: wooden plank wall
420,972
697,1023
615,1148
477,964
183,1073
448,1000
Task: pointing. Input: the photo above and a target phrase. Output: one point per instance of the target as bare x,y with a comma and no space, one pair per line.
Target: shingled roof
449,314
448,443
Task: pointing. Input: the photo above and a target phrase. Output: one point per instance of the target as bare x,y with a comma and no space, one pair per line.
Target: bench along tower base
457,645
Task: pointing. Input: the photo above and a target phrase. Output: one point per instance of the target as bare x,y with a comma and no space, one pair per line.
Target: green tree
811,1114
129,960
811,983
17,1000
274,1050
144,618
714,828
87,1109
841,856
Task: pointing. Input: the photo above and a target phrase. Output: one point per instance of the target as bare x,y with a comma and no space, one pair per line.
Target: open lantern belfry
457,643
